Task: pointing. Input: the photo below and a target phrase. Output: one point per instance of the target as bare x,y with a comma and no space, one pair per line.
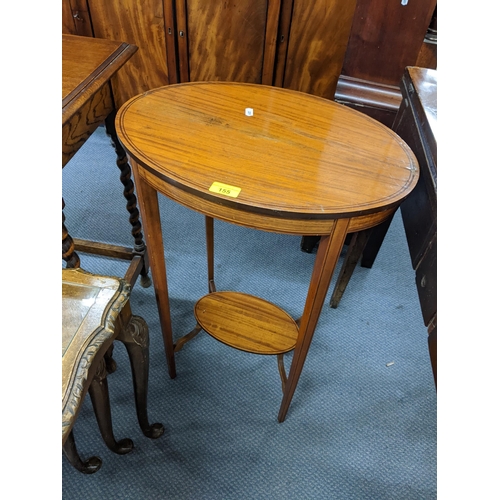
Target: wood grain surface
87,66
246,322
386,37
91,306
226,40
319,33
298,156
264,157
141,24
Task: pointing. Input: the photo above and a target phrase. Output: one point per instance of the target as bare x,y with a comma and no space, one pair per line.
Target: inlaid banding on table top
246,322
297,156
279,223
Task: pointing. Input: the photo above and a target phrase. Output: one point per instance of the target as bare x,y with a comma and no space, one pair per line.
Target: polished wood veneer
246,322
297,44
87,66
295,164
296,145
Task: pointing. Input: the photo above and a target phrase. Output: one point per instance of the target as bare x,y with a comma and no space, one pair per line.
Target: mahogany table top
88,64
297,155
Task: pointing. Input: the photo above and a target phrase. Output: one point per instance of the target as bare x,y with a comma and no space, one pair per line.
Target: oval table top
246,322
268,150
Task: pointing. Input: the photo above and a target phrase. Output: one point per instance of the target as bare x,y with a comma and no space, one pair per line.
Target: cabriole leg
135,337
93,464
99,396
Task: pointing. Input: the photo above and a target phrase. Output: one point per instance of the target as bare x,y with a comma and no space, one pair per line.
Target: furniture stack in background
348,50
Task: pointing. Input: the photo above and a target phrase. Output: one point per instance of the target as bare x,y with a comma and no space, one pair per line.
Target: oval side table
265,158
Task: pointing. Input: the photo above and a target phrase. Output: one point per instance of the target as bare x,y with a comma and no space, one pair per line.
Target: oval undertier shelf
246,322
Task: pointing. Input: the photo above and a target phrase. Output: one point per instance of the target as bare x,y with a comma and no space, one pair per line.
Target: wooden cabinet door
313,38
75,18
227,40
386,37
68,26
141,23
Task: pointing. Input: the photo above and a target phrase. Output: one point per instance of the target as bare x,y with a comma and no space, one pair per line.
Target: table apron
302,227
78,128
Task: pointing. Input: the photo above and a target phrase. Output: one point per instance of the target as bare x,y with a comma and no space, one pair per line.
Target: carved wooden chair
95,312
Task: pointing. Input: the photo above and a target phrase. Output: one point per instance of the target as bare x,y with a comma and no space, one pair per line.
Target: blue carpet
362,423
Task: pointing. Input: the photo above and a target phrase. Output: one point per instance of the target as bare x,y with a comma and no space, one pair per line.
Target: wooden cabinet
386,37
226,40
76,18
416,124
313,39
141,24
353,51
296,44
137,23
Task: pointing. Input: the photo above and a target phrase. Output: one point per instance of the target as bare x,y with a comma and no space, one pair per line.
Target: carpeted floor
362,423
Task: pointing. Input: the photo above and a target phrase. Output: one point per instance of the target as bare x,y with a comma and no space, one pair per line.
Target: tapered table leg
148,201
354,252
329,250
135,337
